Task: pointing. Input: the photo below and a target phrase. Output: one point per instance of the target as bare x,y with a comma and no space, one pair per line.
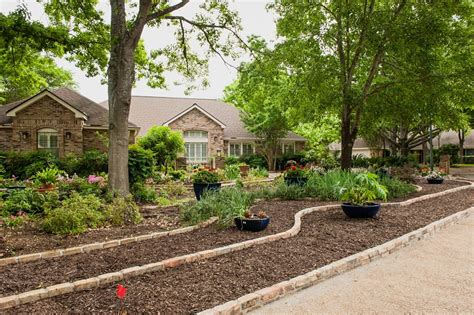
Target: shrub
14,221
143,193
75,215
29,201
285,192
360,160
25,164
140,163
254,161
448,149
91,162
365,190
173,190
122,211
295,171
47,176
298,157
205,177
396,188
95,185
226,204
258,172
164,143
231,160
232,171
178,174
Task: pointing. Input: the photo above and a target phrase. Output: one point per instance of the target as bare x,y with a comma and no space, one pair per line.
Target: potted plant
203,180
244,169
47,178
360,196
252,222
295,175
434,178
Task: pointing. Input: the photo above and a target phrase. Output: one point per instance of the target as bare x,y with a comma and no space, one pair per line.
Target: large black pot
199,189
252,224
435,180
355,211
300,181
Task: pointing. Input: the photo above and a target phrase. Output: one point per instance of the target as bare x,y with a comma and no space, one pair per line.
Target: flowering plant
295,171
434,175
205,176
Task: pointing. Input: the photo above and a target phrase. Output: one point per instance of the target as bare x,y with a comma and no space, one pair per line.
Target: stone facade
198,121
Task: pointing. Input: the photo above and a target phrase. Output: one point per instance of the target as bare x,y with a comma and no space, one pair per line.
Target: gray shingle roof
97,115
147,111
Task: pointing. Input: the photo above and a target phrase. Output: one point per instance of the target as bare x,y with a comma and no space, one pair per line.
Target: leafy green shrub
95,185
173,190
226,204
177,174
258,172
29,201
232,171
231,160
286,192
143,193
122,211
75,215
23,165
360,160
396,188
70,163
205,177
13,221
140,163
365,190
164,143
47,176
91,162
254,160
298,157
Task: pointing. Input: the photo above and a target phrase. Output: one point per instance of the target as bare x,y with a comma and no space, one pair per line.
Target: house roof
446,137
147,111
94,114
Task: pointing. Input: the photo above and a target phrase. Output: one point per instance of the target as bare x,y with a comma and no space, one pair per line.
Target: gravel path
435,275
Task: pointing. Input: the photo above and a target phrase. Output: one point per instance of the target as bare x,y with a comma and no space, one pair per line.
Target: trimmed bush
143,193
122,211
140,163
254,161
23,165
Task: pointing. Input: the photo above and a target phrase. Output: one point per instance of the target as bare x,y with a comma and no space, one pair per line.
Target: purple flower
92,179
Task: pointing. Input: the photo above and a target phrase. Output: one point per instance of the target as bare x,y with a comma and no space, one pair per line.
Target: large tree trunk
347,139
461,136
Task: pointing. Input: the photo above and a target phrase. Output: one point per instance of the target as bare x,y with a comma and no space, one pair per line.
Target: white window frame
241,147
283,144
199,141
48,132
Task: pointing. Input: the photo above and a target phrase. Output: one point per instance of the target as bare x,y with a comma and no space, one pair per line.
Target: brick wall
196,120
92,141
46,113
5,139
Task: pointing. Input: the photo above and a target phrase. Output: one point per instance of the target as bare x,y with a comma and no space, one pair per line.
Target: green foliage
254,160
164,143
91,162
226,204
140,163
258,172
47,176
13,221
449,149
122,211
178,175
66,186
295,171
143,193
230,160
173,190
23,165
75,215
30,201
205,177
365,190
232,171
298,157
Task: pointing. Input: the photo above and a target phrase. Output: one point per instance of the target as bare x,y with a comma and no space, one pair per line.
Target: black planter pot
300,181
355,211
435,180
252,224
199,189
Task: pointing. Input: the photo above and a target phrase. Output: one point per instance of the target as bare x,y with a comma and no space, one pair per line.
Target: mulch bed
432,188
19,278
29,239
325,237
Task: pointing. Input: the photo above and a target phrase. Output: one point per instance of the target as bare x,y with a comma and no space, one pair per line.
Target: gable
194,120
195,110
41,98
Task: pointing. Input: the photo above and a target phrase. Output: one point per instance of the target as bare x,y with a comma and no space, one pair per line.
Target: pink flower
92,179
121,291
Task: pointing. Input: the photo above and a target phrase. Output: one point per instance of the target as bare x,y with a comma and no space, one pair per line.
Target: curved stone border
94,282
86,248
266,295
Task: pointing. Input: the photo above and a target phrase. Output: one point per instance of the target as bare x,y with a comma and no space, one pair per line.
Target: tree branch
168,10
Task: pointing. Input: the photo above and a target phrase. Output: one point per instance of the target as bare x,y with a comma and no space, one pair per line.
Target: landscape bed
326,236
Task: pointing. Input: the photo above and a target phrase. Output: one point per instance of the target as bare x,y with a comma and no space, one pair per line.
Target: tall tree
116,49
337,49
262,93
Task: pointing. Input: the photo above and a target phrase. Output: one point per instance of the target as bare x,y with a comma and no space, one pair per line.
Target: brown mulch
19,278
325,237
432,188
29,239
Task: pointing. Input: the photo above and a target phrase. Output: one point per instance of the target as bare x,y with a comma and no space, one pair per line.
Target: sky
255,21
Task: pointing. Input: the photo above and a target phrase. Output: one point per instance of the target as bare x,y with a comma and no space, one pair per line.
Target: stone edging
266,295
94,282
86,248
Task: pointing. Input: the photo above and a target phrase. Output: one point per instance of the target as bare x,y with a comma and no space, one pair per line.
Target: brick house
60,121
211,128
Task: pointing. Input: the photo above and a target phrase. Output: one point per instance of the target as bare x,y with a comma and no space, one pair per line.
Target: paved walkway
435,275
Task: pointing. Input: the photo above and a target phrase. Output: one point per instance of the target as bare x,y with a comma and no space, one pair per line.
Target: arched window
48,140
196,146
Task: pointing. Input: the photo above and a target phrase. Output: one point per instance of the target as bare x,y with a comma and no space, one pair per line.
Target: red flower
293,168
121,291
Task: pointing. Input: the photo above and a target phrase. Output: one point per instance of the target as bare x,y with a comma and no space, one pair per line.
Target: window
48,141
247,149
196,146
288,148
234,149
468,151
